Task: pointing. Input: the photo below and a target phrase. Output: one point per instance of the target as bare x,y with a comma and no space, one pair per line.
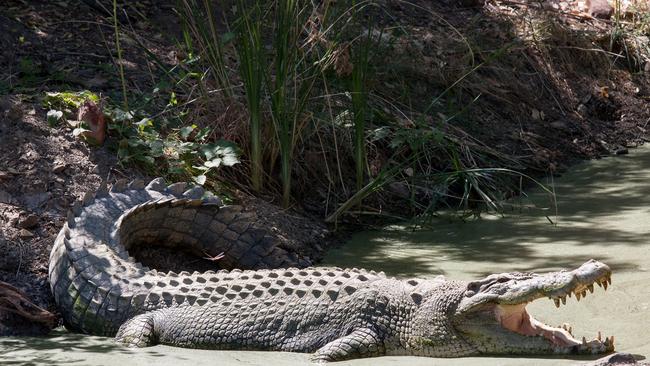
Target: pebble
560,125
59,167
5,197
28,222
25,234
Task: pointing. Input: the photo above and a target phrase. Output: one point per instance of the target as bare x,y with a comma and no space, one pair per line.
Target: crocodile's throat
517,319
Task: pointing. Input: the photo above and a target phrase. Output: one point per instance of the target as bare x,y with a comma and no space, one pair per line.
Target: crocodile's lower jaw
516,318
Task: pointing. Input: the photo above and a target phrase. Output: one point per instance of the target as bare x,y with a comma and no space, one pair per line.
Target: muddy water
603,212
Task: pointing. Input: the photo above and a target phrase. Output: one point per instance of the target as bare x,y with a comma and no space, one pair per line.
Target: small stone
618,358
59,167
560,125
599,9
4,176
5,197
582,110
621,151
28,222
25,234
34,201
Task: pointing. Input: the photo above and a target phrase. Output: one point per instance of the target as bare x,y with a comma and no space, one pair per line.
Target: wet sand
603,212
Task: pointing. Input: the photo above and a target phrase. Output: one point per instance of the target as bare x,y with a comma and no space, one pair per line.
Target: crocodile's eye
472,289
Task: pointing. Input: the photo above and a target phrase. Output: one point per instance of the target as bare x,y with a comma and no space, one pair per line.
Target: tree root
14,301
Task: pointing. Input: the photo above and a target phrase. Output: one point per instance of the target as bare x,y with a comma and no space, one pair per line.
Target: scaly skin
335,313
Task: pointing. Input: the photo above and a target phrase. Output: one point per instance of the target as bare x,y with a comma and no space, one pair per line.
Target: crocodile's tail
97,285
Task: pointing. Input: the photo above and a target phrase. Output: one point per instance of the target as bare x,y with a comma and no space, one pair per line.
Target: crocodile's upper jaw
493,314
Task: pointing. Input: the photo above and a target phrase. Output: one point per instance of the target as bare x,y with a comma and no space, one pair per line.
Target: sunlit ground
603,212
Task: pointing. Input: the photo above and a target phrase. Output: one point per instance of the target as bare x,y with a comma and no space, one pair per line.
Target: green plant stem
119,56
251,68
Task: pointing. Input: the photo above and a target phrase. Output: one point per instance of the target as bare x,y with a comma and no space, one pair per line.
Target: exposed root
14,301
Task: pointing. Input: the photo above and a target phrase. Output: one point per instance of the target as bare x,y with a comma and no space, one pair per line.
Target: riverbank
520,87
602,213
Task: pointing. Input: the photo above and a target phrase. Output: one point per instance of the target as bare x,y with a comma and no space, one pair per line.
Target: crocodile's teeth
569,294
584,293
557,302
605,285
564,300
600,336
584,341
591,288
598,283
577,296
609,279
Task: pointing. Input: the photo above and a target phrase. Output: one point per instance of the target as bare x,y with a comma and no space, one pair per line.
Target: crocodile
269,298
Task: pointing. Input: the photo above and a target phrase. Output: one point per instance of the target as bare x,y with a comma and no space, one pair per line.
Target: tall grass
251,68
120,64
359,106
289,90
200,22
283,53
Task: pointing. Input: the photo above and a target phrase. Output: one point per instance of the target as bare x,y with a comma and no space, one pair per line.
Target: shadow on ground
61,347
601,206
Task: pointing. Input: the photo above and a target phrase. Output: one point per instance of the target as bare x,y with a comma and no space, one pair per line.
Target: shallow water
603,212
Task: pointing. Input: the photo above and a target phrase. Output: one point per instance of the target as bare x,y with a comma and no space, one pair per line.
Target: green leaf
203,133
157,148
121,116
144,123
146,159
227,37
220,153
78,131
214,163
172,100
186,131
200,179
53,116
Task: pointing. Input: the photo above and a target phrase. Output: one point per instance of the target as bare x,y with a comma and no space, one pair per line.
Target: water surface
603,212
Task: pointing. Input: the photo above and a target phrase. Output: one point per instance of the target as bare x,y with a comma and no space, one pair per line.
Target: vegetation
325,102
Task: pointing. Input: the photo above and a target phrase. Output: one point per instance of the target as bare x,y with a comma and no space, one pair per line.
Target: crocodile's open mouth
517,319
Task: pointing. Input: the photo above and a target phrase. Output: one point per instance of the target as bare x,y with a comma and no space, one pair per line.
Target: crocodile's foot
360,343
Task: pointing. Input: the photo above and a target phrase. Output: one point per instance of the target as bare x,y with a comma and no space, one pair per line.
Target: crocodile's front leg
360,343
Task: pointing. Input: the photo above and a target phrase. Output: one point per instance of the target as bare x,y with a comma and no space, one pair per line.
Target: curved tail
97,285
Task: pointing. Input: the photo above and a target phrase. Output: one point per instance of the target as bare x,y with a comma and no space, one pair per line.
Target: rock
15,113
5,197
560,125
618,358
599,9
29,221
25,234
59,167
620,151
34,201
582,110
11,109
4,176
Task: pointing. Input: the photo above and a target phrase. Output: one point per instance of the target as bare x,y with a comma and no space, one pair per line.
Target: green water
603,212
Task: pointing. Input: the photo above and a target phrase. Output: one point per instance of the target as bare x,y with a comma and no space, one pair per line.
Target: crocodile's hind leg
139,331
360,343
